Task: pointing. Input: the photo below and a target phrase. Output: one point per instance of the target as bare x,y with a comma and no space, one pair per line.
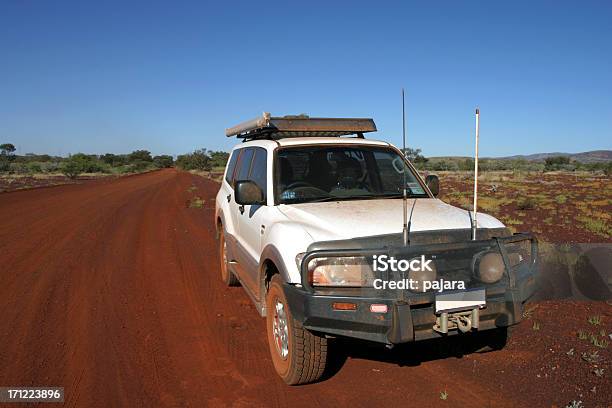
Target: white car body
288,229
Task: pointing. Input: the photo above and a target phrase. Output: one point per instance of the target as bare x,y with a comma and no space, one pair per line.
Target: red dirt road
111,289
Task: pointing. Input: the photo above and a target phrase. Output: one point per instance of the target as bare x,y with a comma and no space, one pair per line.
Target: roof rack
270,127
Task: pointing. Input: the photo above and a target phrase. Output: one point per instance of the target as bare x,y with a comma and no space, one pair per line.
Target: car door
229,207
252,220
245,262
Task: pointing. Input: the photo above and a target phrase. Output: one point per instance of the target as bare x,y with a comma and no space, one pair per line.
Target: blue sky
170,76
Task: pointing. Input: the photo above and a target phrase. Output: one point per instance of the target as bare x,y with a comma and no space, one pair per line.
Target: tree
198,160
140,155
219,159
7,149
114,160
415,156
163,161
555,162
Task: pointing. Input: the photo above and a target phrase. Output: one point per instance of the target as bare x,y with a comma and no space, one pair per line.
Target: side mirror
247,192
433,182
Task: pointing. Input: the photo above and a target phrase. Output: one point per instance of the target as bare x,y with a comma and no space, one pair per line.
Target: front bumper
402,323
409,317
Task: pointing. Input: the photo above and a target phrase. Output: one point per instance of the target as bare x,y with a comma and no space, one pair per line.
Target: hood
360,218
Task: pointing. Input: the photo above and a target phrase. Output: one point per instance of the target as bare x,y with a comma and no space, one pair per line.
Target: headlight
352,271
419,276
488,266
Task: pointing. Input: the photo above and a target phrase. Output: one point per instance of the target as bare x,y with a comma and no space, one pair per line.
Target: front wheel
299,356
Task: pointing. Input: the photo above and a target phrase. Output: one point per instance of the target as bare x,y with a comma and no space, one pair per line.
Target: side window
259,168
244,164
231,165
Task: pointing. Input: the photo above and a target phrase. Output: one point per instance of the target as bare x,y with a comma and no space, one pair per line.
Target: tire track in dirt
112,290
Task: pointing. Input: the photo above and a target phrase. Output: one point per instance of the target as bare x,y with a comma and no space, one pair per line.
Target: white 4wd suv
302,215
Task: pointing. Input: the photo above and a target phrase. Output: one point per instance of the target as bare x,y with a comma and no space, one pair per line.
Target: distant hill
595,156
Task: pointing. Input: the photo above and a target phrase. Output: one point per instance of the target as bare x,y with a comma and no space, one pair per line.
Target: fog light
378,308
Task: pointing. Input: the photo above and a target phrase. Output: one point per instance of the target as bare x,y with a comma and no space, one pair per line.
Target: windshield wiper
355,197
336,198
346,198
401,195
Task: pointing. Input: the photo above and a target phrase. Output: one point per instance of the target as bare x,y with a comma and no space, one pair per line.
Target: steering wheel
310,191
298,184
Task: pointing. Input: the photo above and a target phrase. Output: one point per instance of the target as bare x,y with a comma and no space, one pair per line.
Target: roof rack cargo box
270,127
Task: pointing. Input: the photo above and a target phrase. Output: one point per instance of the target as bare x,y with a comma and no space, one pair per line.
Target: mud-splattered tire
226,275
301,356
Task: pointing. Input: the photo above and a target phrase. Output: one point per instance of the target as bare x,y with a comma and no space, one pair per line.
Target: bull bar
411,316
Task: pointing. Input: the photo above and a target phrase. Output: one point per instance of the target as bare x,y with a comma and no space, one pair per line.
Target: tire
305,357
226,275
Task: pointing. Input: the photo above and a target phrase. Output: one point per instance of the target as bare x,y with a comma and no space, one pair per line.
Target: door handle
229,198
241,208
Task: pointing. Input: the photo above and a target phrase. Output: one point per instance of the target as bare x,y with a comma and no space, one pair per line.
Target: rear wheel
226,275
299,356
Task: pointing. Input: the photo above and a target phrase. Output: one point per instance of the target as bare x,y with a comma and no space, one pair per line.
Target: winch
464,321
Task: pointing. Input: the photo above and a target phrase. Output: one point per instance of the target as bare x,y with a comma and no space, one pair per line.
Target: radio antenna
405,193
474,221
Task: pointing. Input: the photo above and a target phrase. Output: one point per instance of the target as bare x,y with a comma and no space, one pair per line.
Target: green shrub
198,160
50,167
5,165
556,162
219,159
34,167
139,166
82,163
114,160
140,156
71,169
163,161
527,203
18,168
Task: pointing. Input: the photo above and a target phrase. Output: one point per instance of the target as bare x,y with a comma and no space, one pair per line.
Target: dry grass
596,225
196,202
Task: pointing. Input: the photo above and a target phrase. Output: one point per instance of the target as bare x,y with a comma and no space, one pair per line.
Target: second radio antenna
405,193
474,220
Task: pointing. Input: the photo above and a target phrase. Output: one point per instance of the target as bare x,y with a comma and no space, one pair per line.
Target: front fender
282,242
271,254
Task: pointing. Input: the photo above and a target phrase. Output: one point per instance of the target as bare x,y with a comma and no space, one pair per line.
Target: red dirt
560,203
13,183
111,289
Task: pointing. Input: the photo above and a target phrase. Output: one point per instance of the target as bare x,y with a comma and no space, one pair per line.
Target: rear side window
231,165
259,169
244,165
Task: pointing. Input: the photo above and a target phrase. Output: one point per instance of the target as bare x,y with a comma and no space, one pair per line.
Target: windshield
330,173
